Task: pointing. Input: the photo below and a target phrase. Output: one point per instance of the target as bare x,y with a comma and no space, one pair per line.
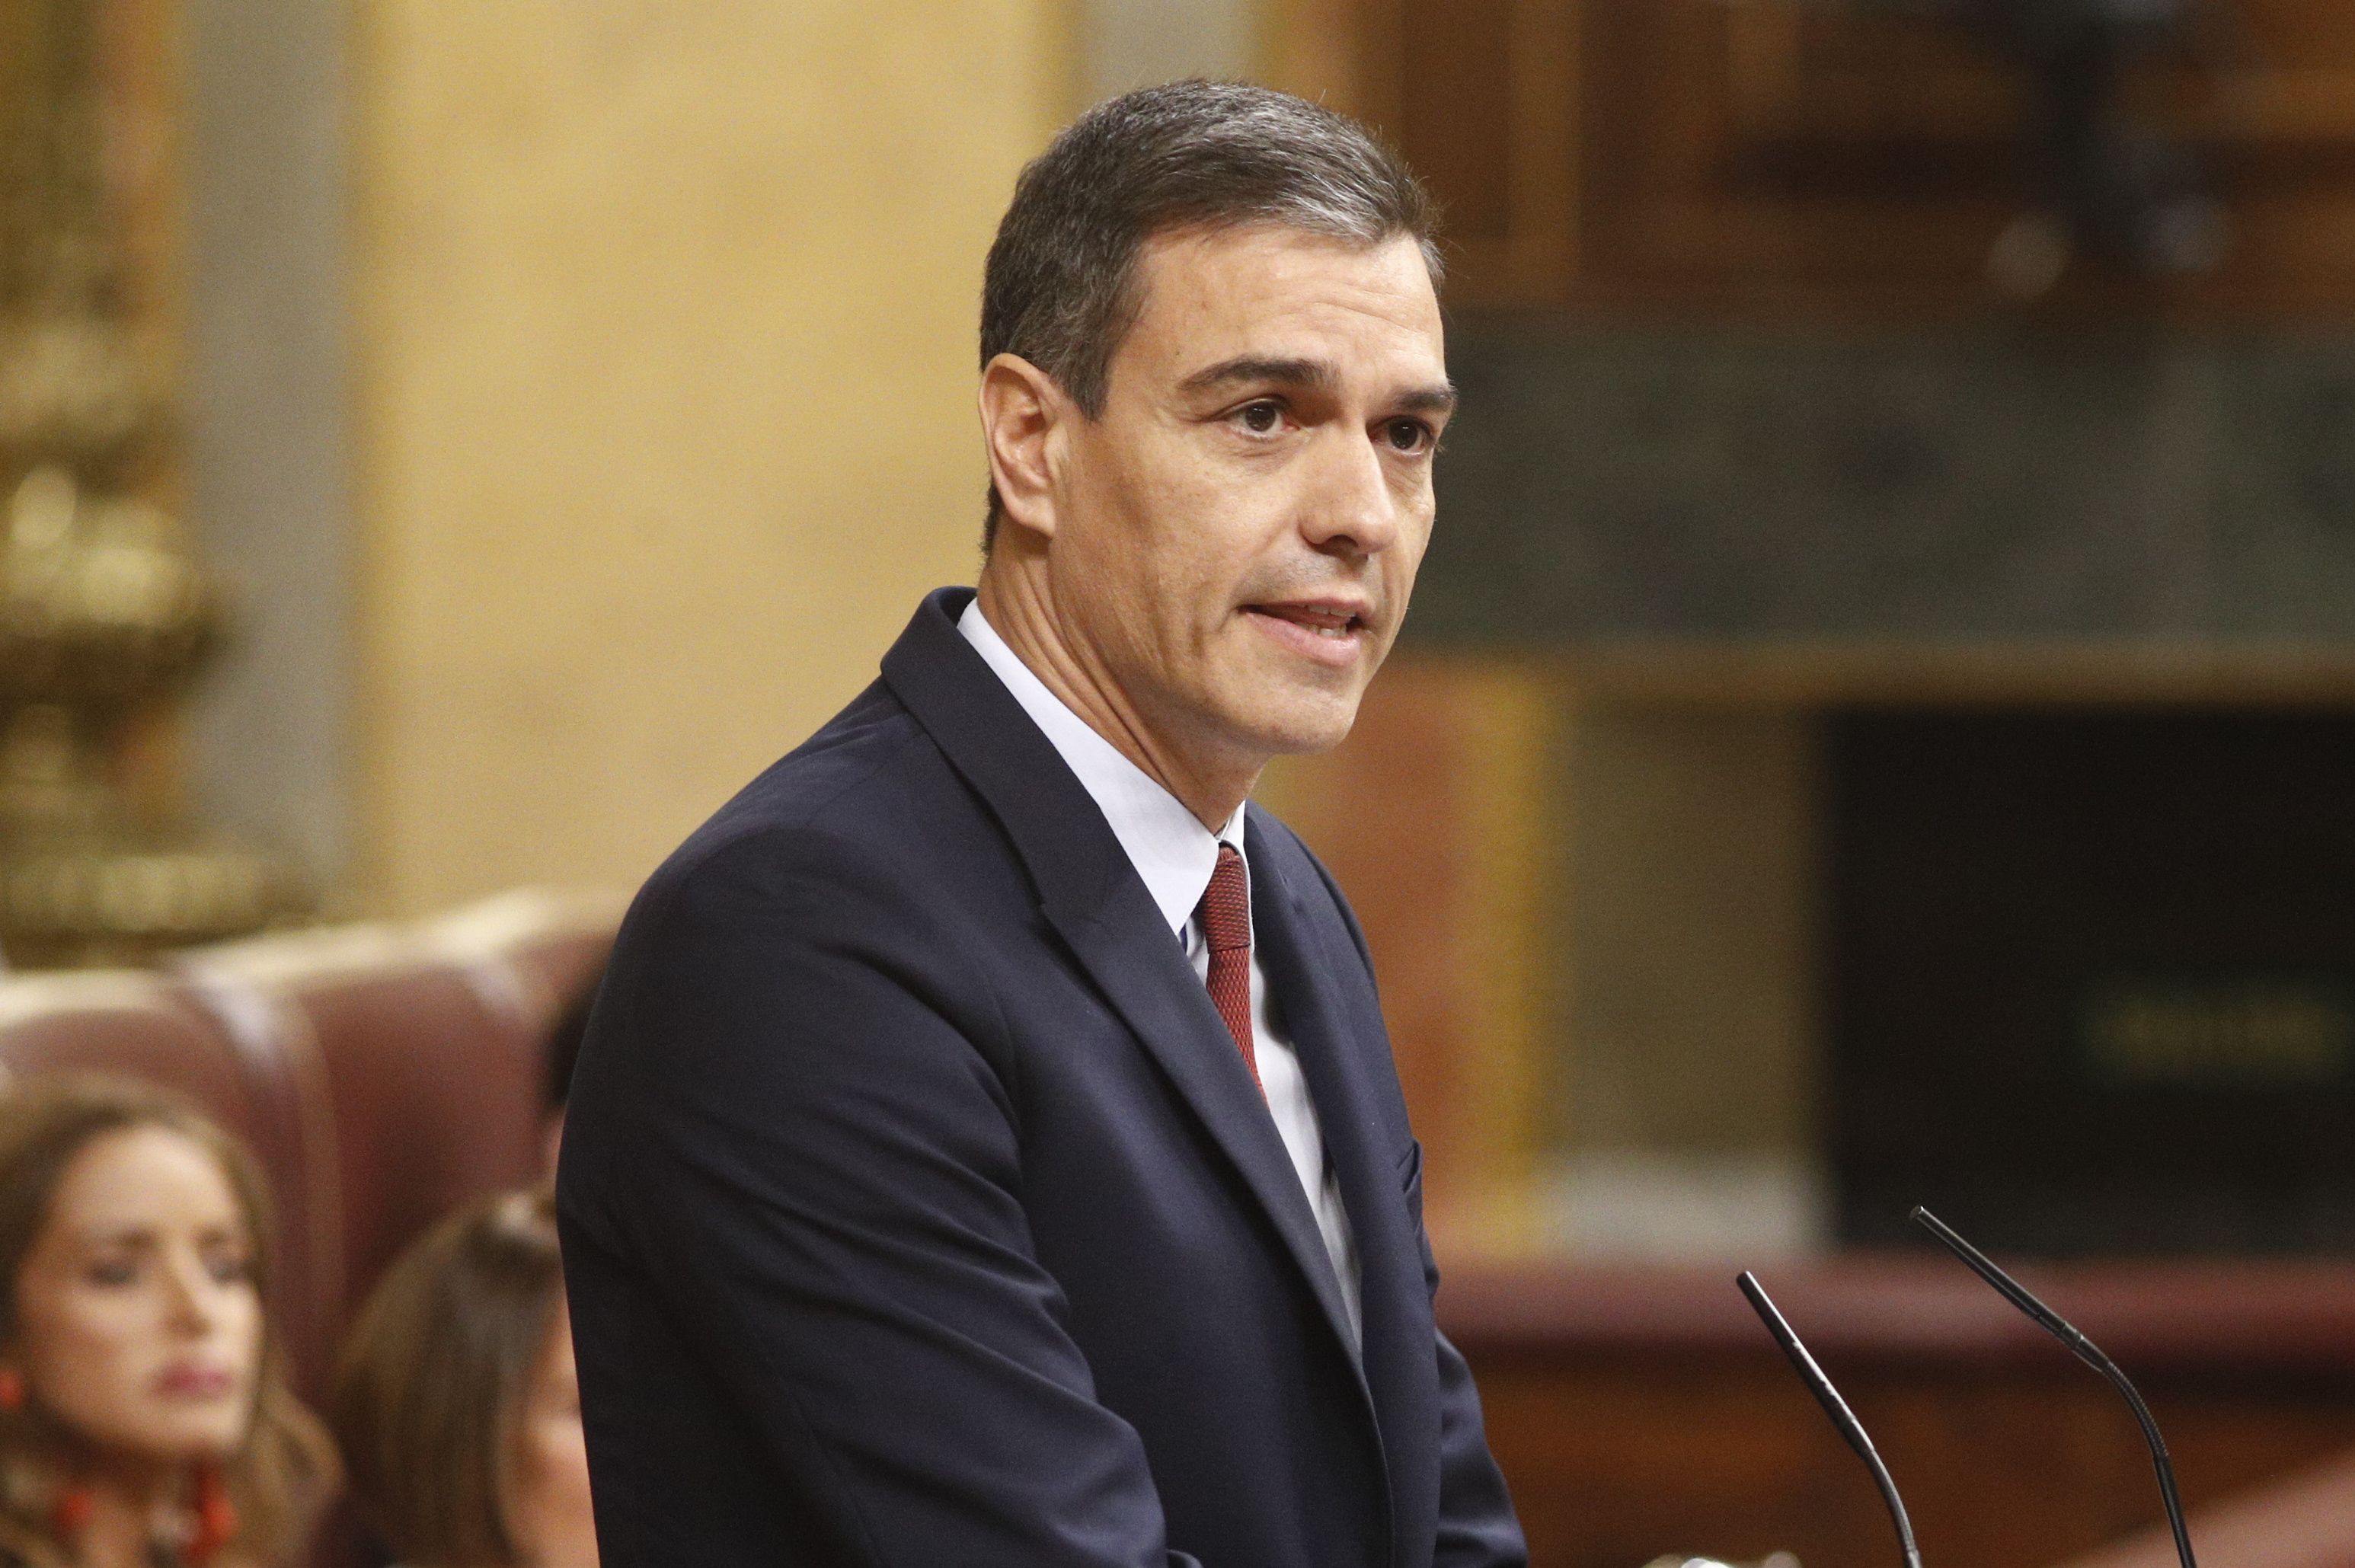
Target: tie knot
1225,909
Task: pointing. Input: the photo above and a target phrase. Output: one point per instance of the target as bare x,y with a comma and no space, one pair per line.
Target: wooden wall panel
1760,157
1483,96
1638,1411
1434,815
1615,1460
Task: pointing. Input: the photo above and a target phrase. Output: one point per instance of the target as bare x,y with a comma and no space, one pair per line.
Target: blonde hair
435,1370
286,1467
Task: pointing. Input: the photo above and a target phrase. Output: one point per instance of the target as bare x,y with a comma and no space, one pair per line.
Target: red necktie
1225,914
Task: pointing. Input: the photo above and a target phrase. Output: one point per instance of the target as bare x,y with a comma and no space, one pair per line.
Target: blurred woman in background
456,1404
145,1418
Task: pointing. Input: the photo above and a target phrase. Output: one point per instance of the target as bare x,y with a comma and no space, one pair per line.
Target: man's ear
1023,415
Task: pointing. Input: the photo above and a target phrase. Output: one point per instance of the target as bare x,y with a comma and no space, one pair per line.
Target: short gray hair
1061,287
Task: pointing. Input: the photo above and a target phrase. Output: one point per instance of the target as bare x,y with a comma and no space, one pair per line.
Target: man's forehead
1284,296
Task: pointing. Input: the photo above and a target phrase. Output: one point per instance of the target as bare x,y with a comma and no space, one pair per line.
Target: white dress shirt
1174,854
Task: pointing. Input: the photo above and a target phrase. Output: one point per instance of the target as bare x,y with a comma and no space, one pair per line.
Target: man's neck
1020,610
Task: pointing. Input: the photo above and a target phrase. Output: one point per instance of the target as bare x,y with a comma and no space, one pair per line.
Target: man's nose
1353,509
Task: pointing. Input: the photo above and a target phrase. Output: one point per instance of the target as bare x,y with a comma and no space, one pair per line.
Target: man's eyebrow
1314,374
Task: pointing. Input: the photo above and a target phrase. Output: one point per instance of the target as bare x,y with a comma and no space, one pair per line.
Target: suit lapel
1093,897
1307,955
1170,1012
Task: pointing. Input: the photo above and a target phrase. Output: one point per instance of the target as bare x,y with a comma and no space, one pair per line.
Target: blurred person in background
144,1417
455,1402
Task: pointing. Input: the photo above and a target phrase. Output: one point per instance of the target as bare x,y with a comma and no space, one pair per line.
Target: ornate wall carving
103,615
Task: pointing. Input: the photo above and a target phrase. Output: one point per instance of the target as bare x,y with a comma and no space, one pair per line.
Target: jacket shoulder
856,783
829,860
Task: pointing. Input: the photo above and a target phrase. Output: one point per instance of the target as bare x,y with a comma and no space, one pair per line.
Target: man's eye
1408,435
112,1273
1260,418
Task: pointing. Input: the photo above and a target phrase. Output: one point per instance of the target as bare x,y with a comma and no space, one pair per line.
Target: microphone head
1843,1418
2085,1350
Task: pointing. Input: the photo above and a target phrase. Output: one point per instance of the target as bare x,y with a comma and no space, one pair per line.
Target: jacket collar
1063,838
1173,853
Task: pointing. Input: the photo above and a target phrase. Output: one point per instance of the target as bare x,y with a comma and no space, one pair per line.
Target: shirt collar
1173,853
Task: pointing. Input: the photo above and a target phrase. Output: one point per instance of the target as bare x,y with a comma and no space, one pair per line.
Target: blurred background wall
664,393
635,406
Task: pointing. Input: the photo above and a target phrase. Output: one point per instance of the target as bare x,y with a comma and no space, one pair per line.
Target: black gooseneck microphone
1836,1408
2085,1350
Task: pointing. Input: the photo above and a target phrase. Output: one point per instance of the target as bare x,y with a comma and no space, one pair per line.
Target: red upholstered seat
553,943
430,1066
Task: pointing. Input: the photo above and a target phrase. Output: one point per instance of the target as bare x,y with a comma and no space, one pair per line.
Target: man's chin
1306,725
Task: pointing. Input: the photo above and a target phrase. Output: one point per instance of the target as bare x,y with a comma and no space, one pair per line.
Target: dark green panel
1992,485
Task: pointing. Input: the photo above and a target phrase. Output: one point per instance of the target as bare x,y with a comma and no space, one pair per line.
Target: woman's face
548,1480
139,1325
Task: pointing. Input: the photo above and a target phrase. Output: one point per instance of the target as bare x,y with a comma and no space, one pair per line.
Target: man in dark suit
987,1148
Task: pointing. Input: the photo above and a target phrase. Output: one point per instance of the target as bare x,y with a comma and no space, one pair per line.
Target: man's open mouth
1323,621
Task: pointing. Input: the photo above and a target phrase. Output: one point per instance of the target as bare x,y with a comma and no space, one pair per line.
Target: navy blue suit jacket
918,1212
